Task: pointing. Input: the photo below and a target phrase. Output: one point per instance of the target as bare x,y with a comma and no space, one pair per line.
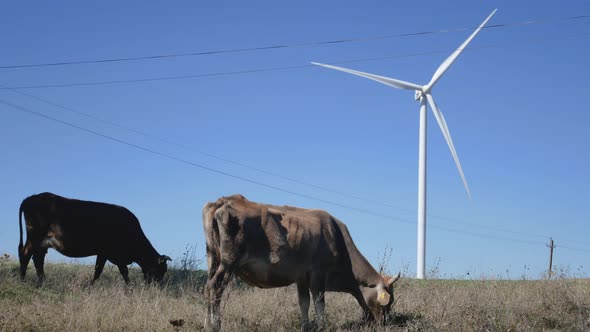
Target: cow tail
20,225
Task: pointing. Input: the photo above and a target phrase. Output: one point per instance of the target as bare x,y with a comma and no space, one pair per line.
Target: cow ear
392,280
383,298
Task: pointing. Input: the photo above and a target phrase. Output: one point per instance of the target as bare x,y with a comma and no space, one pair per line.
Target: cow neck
363,271
148,256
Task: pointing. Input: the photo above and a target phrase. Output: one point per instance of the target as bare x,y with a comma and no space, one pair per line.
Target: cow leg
213,262
317,293
100,262
39,260
24,254
124,272
215,287
303,294
367,315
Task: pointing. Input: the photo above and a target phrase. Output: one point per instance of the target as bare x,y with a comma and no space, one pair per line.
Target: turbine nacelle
418,94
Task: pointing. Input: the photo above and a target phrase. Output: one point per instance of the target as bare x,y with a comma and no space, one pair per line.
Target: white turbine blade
445,131
449,61
398,84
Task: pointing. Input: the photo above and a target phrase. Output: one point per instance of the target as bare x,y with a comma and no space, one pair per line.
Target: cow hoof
274,258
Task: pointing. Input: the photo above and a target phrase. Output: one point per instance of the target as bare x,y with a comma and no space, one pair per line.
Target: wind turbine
423,95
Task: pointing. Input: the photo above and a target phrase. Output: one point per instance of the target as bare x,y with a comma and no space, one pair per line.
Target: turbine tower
424,96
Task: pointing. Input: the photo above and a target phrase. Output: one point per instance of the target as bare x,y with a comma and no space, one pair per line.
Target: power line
574,248
258,169
262,70
487,236
210,169
491,228
282,46
184,161
153,79
190,148
263,171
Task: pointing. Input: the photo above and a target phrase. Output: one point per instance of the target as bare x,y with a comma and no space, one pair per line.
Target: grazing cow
274,246
78,228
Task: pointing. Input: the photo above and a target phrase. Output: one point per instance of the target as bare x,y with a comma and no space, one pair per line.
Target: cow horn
164,258
392,280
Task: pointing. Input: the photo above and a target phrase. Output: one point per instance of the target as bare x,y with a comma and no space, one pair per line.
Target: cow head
156,271
379,298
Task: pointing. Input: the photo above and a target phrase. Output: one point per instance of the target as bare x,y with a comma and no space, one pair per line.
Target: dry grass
67,302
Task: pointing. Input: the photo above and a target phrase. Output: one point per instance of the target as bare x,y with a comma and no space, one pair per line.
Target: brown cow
272,246
78,228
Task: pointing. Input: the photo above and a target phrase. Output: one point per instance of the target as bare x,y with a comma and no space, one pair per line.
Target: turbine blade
445,131
449,61
398,84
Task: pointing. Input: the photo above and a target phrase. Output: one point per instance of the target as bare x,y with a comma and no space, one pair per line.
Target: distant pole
551,245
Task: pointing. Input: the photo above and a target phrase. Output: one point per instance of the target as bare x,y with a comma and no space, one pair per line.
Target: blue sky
514,102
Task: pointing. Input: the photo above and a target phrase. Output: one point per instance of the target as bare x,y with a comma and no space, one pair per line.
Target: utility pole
551,245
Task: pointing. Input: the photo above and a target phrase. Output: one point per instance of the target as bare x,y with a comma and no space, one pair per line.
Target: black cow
79,228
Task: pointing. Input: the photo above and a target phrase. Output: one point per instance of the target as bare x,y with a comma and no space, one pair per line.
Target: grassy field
67,302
